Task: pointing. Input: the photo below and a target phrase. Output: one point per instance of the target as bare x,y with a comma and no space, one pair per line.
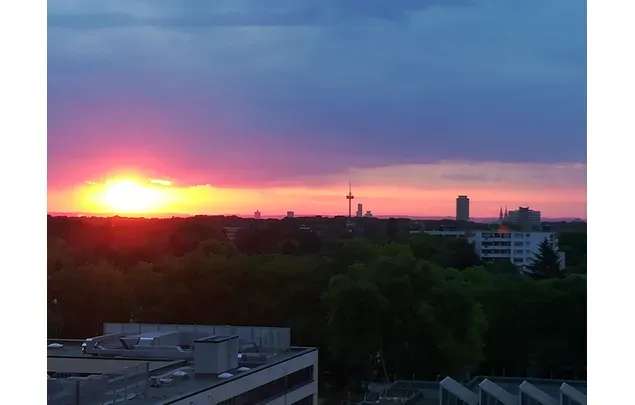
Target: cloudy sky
277,104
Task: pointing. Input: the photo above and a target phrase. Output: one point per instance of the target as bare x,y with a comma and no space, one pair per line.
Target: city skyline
257,214
276,107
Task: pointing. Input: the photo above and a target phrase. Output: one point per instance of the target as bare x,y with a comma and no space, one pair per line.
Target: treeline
378,301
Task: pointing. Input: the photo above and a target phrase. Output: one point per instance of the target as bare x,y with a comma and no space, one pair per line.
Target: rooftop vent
215,354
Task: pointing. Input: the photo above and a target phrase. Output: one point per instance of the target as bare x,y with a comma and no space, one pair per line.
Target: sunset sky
221,107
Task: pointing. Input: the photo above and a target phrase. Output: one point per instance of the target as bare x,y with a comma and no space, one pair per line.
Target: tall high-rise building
462,208
360,210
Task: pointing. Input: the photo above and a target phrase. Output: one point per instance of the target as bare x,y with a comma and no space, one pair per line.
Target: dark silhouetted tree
546,263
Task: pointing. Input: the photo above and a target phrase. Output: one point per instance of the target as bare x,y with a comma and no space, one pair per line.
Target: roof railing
528,390
569,393
489,389
458,390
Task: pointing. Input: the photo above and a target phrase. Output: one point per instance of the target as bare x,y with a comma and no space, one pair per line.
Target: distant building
519,248
516,247
138,364
523,218
231,232
360,210
290,214
462,208
447,233
257,214
368,214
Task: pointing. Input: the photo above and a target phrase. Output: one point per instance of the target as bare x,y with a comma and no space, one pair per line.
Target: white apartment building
517,247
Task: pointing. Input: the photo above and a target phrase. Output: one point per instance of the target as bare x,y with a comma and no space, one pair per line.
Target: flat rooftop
197,383
65,358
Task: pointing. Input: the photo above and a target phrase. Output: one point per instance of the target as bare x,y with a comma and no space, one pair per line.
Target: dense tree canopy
423,305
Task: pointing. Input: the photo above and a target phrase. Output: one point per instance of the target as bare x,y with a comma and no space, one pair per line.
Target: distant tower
500,214
349,197
462,208
505,216
360,210
257,214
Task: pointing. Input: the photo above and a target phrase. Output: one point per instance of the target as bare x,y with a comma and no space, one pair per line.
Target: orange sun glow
126,195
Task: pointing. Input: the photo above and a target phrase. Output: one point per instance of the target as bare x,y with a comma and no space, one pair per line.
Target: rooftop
106,369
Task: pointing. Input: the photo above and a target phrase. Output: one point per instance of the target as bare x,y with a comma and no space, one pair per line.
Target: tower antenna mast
349,197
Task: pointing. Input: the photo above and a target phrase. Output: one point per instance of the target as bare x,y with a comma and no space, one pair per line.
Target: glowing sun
131,196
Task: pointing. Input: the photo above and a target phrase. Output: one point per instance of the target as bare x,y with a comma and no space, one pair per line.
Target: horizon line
296,215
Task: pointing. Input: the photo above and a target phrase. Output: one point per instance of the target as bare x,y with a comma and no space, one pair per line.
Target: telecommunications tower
349,197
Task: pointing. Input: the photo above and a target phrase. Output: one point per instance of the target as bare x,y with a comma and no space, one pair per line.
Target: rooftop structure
479,391
181,364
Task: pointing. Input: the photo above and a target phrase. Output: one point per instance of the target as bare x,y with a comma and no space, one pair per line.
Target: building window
273,389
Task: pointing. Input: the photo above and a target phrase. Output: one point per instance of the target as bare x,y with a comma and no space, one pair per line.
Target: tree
546,263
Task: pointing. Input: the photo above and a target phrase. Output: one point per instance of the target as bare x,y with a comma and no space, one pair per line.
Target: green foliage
574,245
423,305
546,263
415,313
447,252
